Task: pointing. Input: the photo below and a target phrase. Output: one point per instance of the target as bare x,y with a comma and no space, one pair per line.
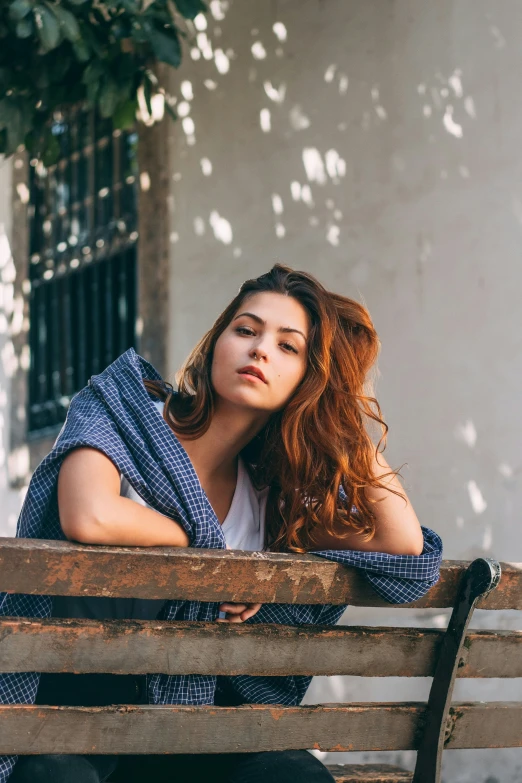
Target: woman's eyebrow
259,320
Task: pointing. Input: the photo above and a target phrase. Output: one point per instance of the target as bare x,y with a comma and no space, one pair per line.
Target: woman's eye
247,330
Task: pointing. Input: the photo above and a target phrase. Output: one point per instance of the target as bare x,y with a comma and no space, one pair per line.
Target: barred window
82,271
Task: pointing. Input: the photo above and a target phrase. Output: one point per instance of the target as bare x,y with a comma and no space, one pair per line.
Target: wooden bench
138,647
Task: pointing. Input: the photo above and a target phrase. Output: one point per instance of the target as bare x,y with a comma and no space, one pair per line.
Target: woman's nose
258,352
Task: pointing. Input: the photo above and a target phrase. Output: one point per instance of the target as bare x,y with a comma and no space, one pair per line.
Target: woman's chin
244,397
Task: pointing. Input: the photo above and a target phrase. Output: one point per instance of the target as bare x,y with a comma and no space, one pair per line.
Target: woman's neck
214,454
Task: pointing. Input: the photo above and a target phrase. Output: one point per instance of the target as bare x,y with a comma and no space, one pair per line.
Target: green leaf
190,8
92,41
166,47
68,23
5,79
93,72
24,28
57,67
125,115
92,92
108,98
139,35
92,65
93,78
81,50
48,27
121,28
42,80
160,14
19,9
130,5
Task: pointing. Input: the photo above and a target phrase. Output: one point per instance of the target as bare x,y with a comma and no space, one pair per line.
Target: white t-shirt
244,525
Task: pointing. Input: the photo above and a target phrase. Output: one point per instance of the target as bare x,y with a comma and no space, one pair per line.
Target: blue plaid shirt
115,414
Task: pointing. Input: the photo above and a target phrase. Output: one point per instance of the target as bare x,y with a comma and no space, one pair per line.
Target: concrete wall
11,323
376,144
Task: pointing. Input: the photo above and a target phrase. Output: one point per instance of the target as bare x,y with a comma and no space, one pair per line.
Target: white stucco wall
11,499
378,147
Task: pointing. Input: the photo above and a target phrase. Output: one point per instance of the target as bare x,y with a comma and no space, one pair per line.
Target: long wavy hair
316,454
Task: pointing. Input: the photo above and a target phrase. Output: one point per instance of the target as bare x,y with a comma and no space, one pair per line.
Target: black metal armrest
482,576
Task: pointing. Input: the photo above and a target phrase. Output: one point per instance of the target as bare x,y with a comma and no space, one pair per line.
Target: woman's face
269,334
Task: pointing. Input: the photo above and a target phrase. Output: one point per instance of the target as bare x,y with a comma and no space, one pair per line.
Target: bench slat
369,773
64,568
181,729
141,646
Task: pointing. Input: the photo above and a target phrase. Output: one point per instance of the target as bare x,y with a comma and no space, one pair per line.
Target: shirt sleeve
399,579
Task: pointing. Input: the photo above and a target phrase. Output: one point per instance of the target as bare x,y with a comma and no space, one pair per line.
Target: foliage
55,53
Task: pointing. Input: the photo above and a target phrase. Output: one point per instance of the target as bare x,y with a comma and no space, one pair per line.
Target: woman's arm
93,512
397,529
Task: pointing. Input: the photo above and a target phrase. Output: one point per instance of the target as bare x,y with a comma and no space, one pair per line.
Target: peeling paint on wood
129,729
180,729
369,773
64,568
141,646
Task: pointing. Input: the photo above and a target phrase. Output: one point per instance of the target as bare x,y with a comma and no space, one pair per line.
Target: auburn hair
316,454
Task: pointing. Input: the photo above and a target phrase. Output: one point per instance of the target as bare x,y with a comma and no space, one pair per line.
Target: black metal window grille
82,271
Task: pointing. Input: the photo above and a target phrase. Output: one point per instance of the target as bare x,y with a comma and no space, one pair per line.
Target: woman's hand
237,613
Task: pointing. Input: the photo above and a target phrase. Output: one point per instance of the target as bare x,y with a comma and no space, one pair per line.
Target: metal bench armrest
482,576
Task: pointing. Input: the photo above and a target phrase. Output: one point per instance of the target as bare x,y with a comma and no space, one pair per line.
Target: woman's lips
252,369
251,377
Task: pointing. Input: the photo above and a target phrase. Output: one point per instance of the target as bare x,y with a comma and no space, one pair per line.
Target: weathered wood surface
141,646
64,568
369,773
181,729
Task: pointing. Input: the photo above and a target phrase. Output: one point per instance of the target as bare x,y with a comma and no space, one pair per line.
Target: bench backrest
123,647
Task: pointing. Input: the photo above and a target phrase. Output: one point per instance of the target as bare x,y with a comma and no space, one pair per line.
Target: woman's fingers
237,613
230,618
233,608
250,611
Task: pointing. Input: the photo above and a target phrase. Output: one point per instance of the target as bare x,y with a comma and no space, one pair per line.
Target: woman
270,425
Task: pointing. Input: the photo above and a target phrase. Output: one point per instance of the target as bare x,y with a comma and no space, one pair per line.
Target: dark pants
286,766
